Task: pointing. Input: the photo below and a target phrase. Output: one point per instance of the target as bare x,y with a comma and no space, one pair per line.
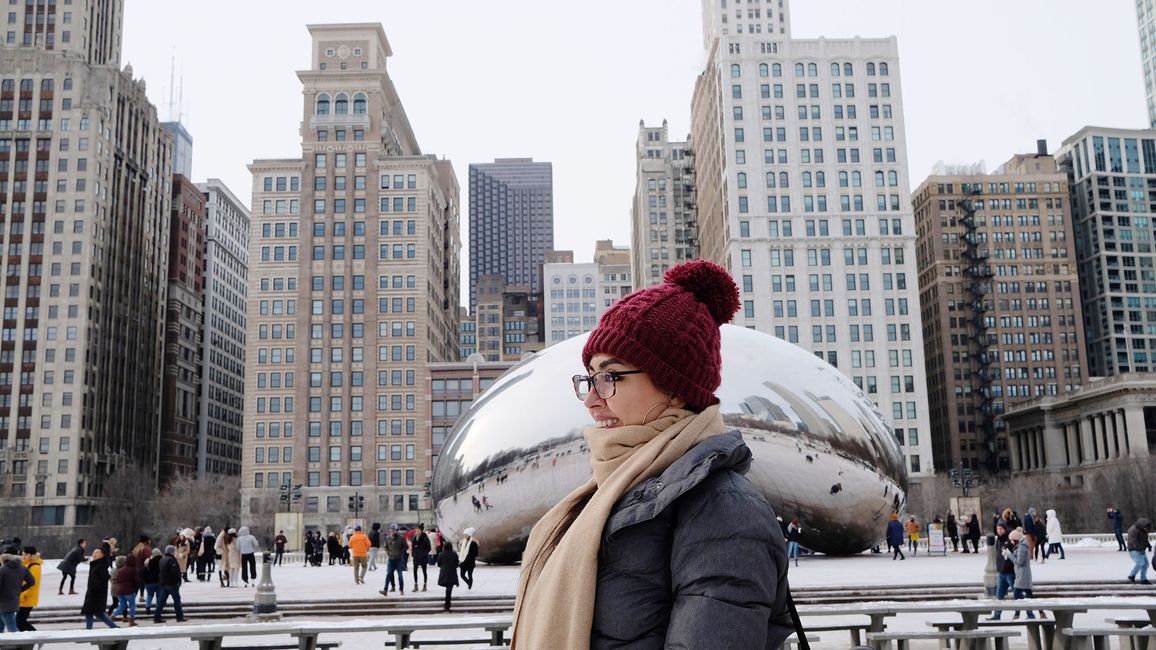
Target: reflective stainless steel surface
822,451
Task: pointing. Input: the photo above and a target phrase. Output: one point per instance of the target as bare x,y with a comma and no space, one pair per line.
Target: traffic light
352,502
360,502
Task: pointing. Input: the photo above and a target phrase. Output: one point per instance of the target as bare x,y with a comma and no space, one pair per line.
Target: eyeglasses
602,382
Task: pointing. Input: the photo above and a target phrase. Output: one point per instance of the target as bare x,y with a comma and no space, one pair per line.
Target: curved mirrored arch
822,450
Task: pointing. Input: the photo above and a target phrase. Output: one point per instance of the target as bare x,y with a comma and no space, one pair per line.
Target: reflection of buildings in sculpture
1066,438
757,405
808,420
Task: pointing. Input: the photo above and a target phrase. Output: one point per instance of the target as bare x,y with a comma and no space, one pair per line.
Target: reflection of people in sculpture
621,560
477,504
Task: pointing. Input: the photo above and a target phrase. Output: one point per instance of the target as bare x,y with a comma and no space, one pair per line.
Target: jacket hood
242,531
1143,522
208,531
11,561
1050,513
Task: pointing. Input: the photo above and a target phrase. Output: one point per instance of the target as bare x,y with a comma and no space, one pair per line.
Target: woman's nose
592,399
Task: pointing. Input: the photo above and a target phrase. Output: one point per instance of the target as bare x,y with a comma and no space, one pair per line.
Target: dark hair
80,541
31,550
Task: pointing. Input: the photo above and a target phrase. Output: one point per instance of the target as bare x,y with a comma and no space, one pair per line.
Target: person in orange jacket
912,530
359,552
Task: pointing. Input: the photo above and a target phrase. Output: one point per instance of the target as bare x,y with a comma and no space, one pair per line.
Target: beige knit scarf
555,605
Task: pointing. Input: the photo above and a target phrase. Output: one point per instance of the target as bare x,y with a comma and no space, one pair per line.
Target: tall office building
801,183
180,404
507,320
354,279
1146,18
219,426
511,221
1112,177
999,301
84,200
662,218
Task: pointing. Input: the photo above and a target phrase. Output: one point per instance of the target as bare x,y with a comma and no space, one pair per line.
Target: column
1137,435
1084,443
1013,445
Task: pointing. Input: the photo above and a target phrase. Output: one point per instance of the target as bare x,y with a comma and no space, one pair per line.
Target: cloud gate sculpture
822,451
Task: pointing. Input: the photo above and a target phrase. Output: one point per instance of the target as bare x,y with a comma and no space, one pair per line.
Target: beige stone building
1069,437
662,219
353,290
999,298
507,319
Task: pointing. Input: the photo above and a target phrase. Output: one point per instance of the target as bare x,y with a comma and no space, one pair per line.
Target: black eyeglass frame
592,382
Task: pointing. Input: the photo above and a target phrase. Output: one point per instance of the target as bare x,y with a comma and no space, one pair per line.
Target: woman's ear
677,402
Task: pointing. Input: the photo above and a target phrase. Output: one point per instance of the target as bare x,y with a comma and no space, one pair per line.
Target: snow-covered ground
1086,561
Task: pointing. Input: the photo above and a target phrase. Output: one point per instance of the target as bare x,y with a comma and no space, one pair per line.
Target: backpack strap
800,633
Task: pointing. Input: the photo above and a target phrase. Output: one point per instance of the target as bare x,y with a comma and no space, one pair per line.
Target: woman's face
634,400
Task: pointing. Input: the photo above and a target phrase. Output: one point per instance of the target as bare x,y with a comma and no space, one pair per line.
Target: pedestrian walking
247,547
333,547
126,584
359,554
171,579
420,546
974,531
67,567
96,594
279,547
226,549
15,579
374,544
1006,576
895,537
912,530
668,544
1022,558
395,561
447,570
29,598
1117,519
467,557
1055,535
151,579
1138,548
208,557
1030,521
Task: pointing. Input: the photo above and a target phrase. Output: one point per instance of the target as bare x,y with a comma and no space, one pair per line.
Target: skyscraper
1111,173
663,226
511,221
1146,18
85,189
223,353
354,279
1000,304
801,180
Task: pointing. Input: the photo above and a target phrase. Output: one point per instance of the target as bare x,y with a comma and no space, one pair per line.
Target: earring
646,416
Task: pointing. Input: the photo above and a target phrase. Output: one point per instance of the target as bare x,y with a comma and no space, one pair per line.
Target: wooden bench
792,641
855,629
320,645
1097,638
967,639
1040,631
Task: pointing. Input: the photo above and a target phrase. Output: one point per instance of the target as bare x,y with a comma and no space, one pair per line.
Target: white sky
567,82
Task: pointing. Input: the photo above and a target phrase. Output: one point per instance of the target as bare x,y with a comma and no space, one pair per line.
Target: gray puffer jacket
1022,558
693,558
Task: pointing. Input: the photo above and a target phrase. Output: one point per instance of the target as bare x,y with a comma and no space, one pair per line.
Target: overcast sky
568,82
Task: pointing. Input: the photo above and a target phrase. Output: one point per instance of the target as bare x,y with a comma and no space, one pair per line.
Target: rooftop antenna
172,83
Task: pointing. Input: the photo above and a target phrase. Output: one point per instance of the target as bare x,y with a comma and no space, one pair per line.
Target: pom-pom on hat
671,331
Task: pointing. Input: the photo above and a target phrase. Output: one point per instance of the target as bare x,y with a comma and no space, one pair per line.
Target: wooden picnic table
1063,610
211,637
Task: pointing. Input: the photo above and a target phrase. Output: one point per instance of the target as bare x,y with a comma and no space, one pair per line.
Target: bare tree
127,506
190,502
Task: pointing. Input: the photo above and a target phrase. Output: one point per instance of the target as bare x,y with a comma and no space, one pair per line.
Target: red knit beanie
672,331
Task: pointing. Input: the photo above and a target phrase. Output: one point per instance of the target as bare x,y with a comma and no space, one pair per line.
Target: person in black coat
447,570
973,533
96,596
171,579
1117,519
68,566
421,548
952,529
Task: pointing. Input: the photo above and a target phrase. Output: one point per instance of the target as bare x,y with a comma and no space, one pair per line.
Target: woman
1055,536
468,554
182,543
974,532
128,580
447,570
67,567
29,598
912,529
96,596
794,532
1021,557
230,557
668,544
895,537
150,578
